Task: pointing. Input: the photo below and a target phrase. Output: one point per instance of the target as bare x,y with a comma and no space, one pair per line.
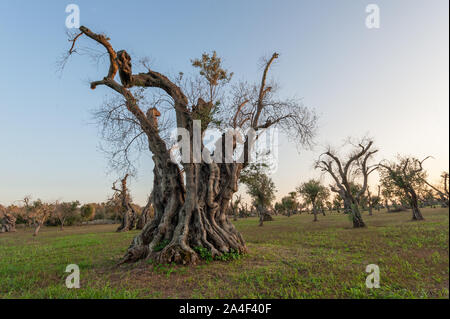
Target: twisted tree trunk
356,217
129,215
186,218
416,214
8,223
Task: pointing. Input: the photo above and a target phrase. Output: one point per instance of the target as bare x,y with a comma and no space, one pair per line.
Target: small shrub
161,245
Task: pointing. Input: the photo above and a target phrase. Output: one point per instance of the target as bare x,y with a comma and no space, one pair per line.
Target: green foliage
161,245
211,69
398,178
205,254
313,191
87,212
232,255
260,186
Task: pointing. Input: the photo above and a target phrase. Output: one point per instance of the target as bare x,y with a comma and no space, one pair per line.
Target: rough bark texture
315,213
146,215
129,215
413,200
7,223
187,219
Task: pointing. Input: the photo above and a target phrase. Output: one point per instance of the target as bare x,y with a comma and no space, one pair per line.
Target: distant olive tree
443,189
313,191
407,176
37,213
7,220
123,202
345,170
63,211
260,188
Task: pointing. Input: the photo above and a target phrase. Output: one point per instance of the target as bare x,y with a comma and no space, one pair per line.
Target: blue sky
391,83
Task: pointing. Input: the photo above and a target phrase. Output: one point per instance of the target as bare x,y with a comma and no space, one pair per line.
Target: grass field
291,257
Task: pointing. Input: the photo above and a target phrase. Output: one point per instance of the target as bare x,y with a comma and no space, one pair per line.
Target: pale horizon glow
389,83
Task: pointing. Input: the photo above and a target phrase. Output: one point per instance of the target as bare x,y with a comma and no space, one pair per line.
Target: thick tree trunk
191,217
7,223
129,215
129,219
315,213
416,214
356,217
370,210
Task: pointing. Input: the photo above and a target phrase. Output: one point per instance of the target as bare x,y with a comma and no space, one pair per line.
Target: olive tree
122,199
313,192
7,220
405,175
191,198
344,170
260,188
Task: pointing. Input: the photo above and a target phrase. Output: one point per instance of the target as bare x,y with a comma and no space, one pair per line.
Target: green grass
288,258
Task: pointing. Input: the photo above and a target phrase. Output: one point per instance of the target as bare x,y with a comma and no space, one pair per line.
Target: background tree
37,213
62,211
442,190
260,188
7,220
123,200
405,175
345,171
322,199
234,205
289,204
191,199
312,191
337,203
87,212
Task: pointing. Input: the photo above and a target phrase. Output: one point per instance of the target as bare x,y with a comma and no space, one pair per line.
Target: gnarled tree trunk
129,215
356,217
7,223
189,218
416,214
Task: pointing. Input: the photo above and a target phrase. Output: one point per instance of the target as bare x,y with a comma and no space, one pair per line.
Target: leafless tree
344,171
191,199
